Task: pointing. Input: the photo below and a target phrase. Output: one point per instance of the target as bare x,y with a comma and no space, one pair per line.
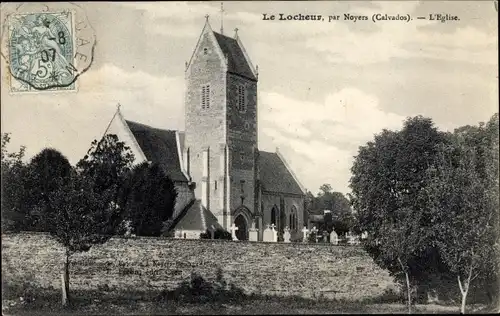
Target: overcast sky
324,88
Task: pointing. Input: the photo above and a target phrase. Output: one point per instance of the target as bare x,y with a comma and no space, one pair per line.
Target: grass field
189,302
249,306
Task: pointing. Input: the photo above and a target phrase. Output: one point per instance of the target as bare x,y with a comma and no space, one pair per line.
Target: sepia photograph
250,157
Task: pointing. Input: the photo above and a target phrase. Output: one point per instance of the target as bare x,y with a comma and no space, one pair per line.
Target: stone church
221,176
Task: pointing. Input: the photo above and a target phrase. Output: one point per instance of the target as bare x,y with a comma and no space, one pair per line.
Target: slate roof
195,217
275,176
159,146
237,62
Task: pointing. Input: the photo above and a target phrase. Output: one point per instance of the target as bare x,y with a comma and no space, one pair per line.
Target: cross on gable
305,230
206,17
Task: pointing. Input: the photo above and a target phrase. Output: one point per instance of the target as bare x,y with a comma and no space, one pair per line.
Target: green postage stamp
45,49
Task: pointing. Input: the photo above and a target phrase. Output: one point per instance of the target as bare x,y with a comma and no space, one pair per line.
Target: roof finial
206,17
118,106
222,18
236,33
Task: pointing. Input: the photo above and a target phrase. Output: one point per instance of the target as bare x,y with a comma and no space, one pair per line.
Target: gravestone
286,235
275,233
325,236
352,239
253,233
268,235
304,234
178,233
314,231
233,231
334,238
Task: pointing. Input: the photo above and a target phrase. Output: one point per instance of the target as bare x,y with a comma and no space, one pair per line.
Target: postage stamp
46,47
41,51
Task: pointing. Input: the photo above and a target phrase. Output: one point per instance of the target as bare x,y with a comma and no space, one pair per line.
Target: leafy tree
465,193
79,216
149,199
388,183
48,171
309,201
13,174
325,189
341,219
85,211
107,163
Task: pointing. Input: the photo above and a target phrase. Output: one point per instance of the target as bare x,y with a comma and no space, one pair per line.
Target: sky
325,88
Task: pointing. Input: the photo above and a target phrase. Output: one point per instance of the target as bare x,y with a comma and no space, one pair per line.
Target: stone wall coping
174,240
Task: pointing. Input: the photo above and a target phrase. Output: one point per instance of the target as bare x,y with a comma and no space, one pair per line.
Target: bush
218,234
200,290
312,237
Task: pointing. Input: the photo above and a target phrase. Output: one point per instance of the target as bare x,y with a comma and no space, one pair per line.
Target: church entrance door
241,223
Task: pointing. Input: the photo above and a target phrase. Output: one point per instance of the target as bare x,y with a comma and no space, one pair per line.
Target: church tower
220,151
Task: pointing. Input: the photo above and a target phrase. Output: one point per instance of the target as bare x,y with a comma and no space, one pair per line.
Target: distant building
220,174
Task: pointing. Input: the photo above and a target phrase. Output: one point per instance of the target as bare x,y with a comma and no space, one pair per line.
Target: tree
341,218
107,163
13,174
79,216
149,198
309,201
47,172
85,211
388,182
465,192
325,189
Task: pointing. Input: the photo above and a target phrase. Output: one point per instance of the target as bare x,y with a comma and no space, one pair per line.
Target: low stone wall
142,263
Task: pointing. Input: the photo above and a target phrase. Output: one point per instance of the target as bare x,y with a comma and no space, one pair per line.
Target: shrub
312,237
218,234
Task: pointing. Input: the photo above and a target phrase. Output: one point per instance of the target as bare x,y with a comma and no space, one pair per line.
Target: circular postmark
47,46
